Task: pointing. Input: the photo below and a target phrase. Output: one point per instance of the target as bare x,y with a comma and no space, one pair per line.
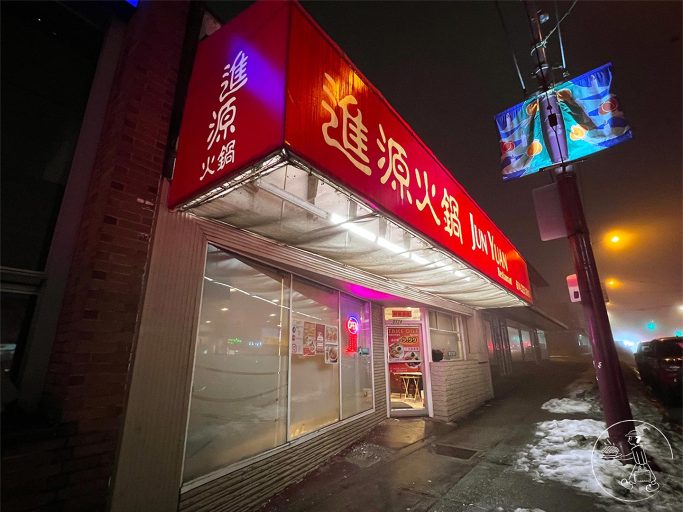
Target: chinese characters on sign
353,132
220,145
347,130
394,159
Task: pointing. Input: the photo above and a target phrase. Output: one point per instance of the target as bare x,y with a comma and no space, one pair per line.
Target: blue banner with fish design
590,114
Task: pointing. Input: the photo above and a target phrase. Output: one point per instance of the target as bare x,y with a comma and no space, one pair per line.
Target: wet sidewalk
416,464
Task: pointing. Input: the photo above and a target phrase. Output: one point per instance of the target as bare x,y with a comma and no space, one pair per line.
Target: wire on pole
557,25
559,35
514,56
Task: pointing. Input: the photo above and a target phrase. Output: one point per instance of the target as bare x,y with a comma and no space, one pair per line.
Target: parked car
659,364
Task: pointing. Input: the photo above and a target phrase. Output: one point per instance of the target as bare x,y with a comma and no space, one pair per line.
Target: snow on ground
562,451
566,405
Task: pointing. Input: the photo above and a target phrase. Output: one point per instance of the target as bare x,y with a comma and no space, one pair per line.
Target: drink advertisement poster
404,345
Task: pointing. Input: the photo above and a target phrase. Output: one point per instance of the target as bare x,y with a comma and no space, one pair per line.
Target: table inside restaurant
407,378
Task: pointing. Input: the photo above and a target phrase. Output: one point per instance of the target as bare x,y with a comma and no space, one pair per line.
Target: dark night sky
446,67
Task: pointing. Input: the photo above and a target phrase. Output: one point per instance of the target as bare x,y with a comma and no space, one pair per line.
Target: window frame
457,320
290,441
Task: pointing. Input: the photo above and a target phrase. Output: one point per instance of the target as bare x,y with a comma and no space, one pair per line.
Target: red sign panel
240,108
235,108
343,126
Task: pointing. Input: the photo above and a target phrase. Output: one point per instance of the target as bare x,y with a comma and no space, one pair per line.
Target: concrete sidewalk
416,464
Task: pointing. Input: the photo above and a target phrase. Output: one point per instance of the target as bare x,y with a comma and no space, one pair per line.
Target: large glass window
526,346
515,340
356,356
49,52
446,334
277,357
239,395
315,358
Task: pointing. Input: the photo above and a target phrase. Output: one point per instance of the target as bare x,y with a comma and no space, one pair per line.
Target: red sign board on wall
235,108
329,115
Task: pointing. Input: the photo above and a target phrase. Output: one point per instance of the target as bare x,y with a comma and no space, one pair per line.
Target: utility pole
611,386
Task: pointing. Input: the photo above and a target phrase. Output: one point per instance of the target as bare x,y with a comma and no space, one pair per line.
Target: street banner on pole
591,118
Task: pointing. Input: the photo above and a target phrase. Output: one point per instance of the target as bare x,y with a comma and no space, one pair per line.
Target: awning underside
302,209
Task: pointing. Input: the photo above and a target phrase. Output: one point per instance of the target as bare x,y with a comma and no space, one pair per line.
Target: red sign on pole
334,119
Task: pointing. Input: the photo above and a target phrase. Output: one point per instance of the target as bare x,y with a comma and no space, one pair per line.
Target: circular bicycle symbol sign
630,477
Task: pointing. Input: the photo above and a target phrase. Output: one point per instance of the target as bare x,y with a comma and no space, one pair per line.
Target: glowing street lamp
617,240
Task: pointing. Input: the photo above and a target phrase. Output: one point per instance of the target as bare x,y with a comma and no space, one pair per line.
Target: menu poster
331,344
405,367
320,338
309,339
297,344
331,354
331,335
404,345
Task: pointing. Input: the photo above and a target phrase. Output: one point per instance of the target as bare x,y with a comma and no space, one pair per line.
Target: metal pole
611,386
608,371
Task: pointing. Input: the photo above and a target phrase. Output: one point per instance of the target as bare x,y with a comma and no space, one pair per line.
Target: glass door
406,360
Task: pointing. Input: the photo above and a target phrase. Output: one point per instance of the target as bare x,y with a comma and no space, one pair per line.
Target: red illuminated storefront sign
248,97
352,330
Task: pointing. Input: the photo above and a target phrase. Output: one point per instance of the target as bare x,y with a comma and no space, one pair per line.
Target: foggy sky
446,67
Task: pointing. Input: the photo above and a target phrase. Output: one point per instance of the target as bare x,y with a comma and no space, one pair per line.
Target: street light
612,283
617,239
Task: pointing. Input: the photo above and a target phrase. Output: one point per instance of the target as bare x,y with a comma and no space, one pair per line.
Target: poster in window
331,354
331,334
297,344
309,339
331,344
404,345
320,338
405,367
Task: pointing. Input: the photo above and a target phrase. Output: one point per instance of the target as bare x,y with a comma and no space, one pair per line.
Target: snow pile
562,451
566,405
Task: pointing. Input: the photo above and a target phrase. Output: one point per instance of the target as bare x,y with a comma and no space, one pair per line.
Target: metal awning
290,203
531,316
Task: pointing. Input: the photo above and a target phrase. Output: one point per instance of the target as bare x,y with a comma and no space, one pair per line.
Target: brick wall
459,387
68,465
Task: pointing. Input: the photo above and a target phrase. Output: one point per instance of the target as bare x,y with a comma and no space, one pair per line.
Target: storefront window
356,357
315,365
239,395
515,344
488,336
526,346
248,351
446,334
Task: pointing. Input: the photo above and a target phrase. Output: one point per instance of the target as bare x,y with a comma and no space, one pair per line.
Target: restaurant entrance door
406,358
